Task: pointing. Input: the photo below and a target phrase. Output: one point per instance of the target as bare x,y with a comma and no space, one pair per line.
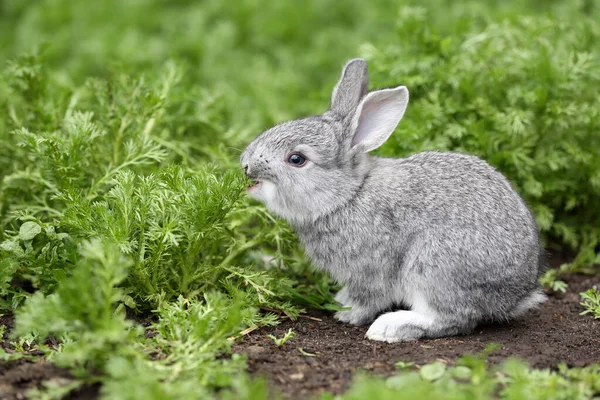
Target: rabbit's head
305,168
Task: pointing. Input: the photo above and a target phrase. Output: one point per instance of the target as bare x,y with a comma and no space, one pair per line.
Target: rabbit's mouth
254,185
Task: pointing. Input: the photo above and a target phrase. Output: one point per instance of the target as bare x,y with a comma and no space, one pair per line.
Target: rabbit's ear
352,86
377,116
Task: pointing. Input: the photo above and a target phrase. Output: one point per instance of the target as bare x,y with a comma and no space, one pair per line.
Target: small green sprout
549,280
306,353
281,341
591,302
404,364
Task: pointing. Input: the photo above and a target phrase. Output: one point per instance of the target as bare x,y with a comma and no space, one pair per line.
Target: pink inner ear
373,119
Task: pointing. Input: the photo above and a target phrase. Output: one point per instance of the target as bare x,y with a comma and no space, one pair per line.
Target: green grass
472,378
121,123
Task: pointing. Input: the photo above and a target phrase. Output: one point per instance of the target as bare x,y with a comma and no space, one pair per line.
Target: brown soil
556,333
18,376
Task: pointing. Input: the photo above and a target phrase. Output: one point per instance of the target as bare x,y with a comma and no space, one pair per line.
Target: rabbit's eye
297,160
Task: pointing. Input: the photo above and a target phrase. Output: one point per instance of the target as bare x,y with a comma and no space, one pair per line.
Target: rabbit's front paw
356,316
399,326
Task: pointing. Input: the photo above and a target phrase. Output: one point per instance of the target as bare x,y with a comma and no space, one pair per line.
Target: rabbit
425,246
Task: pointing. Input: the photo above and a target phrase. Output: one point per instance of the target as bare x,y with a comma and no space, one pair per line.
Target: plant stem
248,245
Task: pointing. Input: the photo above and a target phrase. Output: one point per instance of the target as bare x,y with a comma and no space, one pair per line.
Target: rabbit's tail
530,302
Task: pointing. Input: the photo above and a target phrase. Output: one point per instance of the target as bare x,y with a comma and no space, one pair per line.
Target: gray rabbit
437,242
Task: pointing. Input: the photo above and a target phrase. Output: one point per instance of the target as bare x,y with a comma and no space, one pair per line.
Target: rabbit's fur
442,238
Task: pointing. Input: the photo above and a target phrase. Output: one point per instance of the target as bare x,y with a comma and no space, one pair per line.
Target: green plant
282,340
81,312
591,302
472,378
95,212
404,364
549,280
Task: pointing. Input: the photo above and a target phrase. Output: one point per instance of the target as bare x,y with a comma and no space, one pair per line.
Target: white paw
384,329
399,326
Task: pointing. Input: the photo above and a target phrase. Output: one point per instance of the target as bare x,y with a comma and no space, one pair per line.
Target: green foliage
282,340
550,281
179,358
242,53
105,127
591,302
433,372
404,364
98,166
185,343
82,309
472,378
93,173
35,255
173,225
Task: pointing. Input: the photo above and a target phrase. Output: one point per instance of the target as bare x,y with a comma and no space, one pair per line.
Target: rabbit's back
449,188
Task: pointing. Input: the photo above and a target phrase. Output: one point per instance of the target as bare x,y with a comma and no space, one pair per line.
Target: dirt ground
19,376
556,333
